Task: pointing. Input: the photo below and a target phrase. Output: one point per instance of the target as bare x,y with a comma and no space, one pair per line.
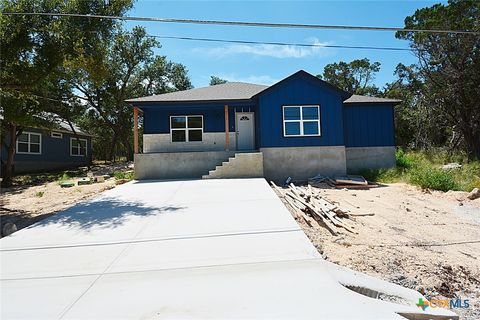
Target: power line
241,23
282,43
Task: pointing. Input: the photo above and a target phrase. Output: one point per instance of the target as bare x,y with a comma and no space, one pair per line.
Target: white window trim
28,152
56,135
185,129
301,121
86,147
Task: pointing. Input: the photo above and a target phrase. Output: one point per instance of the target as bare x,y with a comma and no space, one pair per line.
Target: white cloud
270,50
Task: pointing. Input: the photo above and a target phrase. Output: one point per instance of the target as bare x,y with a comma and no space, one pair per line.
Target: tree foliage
216,80
450,67
34,52
355,77
127,67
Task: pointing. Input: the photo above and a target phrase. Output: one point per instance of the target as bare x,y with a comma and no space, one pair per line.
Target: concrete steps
242,165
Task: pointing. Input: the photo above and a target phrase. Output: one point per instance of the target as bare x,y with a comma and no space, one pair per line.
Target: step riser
242,165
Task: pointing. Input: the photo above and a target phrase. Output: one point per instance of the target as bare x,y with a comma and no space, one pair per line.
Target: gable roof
219,92
344,94
237,91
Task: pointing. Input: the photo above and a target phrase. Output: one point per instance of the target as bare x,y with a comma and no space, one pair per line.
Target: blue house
299,127
43,149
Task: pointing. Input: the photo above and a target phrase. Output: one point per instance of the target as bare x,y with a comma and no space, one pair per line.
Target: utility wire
240,23
282,43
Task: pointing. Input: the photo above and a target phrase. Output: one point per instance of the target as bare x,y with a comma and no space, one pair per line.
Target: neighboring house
50,149
299,127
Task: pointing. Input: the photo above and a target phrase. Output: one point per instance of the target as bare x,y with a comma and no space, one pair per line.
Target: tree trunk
112,148
8,170
472,144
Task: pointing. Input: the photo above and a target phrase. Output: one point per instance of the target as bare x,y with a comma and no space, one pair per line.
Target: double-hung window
78,147
301,121
29,143
186,128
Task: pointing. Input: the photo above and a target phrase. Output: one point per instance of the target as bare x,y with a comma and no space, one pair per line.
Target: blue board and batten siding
157,117
300,90
368,125
54,153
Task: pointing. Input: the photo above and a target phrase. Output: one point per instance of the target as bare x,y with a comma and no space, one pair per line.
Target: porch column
135,129
227,136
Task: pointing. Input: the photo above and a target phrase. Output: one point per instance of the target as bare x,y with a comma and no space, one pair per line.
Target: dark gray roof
219,92
236,91
355,98
55,122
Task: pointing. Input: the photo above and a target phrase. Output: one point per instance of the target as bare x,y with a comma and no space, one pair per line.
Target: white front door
245,130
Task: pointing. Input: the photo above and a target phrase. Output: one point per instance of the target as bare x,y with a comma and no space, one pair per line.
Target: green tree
126,68
354,77
34,51
450,65
216,80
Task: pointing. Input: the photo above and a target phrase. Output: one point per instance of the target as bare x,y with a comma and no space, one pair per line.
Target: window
300,121
29,143
57,135
78,147
186,128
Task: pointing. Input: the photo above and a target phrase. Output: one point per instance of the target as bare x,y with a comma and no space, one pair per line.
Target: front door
245,130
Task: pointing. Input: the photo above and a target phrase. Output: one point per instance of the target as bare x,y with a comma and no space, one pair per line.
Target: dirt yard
427,241
27,203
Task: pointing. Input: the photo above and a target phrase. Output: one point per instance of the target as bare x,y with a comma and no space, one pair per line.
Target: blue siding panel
369,125
53,150
157,117
300,90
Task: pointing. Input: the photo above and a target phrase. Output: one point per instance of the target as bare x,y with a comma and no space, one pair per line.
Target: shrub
429,177
404,160
120,175
39,194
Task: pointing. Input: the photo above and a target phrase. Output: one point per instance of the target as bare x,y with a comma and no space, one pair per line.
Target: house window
57,135
29,143
78,147
301,121
186,128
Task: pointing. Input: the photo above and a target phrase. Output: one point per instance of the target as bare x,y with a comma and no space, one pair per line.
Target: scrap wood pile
315,210
340,182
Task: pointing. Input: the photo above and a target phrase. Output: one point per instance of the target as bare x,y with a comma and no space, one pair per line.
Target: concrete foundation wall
302,163
212,141
359,158
177,165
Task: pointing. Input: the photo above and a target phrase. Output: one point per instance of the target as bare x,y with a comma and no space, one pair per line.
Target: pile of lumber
340,182
307,204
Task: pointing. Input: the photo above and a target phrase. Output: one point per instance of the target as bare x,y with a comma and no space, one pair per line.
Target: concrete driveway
182,250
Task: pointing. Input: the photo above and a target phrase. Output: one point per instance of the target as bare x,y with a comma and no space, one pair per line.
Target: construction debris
308,204
341,182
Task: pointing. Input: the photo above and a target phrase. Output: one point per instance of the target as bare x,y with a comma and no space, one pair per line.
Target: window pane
310,127
23,137
292,128
22,147
34,138
195,135
83,143
178,122
83,151
195,122
178,135
291,113
35,148
74,143
74,151
310,113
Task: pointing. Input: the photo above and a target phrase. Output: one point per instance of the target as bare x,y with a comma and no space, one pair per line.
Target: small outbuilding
299,127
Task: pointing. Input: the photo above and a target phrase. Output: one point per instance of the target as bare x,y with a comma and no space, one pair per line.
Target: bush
120,175
404,160
429,177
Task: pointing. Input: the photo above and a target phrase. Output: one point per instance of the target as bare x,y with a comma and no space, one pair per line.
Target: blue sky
266,64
